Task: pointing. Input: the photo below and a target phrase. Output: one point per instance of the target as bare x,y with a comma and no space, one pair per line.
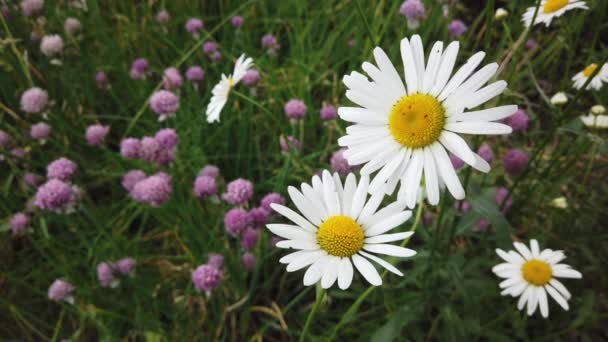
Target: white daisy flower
339,227
405,134
596,82
559,98
550,9
595,121
221,90
531,274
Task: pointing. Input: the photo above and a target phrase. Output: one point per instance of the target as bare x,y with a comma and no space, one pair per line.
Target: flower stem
313,311
367,27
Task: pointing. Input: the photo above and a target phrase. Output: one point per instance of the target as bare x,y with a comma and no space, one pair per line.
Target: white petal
293,217
361,115
359,197
304,206
290,232
350,185
409,67
542,302
490,114
458,146
412,177
534,248
445,69
461,75
391,250
298,244
558,297
386,171
447,172
330,274
533,300
523,250
418,52
345,274
431,179
485,94
330,196
479,127
305,260
383,263
388,223
314,273
524,297
430,74
510,257
371,206
566,273
387,67
293,256
383,213
380,159
481,164
367,270
560,287
388,237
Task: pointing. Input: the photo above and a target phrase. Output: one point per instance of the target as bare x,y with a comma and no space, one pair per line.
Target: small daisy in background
222,89
596,82
340,227
549,10
531,273
405,134
596,118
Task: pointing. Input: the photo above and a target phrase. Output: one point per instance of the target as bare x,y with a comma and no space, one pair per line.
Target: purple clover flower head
295,109
237,21
519,121
164,103
259,216
271,198
464,206
150,149
61,290
139,69
18,152
457,28
105,275
19,223
172,79
502,194
483,225
238,192
412,9
486,153
249,261
515,161
328,112
210,171
163,17
339,163
270,43
51,45
131,178
531,44
5,140
251,78
31,8
194,25
195,74
204,186
31,179
457,163
34,100
72,26
55,195
289,144
167,138
206,278
209,47
130,148
236,220
62,169
96,134
154,190
40,131
126,266
215,260
216,56
249,238
101,79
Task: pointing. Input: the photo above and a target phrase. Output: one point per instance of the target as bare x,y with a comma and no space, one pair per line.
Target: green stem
590,164
313,312
355,306
364,19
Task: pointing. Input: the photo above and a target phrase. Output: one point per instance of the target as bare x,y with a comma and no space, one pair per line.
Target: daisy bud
515,161
235,221
559,98
19,223
206,278
61,290
40,131
598,110
96,134
238,192
559,202
501,13
34,100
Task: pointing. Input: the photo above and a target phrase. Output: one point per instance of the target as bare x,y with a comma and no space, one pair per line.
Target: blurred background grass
448,292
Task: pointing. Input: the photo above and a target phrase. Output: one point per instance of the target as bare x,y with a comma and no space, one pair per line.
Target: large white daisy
550,9
340,228
404,133
596,82
531,274
221,90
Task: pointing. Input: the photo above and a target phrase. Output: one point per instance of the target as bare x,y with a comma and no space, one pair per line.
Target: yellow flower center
554,5
340,236
230,82
589,69
417,120
537,272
